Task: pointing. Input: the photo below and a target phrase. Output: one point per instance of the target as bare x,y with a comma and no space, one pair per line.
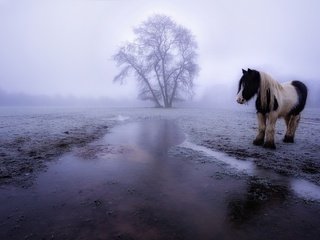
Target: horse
274,100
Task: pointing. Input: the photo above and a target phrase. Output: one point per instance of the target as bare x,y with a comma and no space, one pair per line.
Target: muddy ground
129,174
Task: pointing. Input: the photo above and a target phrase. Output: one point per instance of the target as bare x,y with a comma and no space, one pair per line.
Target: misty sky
65,47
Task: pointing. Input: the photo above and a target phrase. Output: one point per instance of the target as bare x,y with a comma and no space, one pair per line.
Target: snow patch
240,165
306,189
119,118
122,118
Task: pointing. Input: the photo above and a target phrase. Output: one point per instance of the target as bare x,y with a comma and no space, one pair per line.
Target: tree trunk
168,105
149,86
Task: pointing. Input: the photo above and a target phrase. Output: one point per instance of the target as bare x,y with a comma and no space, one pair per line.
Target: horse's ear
244,71
249,70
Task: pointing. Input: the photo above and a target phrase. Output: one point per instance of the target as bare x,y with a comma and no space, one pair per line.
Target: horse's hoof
288,139
258,142
269,145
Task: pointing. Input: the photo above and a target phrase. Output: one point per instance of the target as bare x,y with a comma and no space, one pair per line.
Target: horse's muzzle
241,100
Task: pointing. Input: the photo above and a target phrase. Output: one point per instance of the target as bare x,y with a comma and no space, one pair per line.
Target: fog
60,52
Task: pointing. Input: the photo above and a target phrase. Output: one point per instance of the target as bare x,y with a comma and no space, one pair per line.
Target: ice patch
306,189
120,118
243,166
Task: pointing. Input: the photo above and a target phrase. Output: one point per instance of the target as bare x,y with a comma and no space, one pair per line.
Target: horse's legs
262,129
292,122
295,125
287,136
287,120
270,129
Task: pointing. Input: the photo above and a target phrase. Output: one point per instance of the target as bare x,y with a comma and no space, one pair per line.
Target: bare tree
162,58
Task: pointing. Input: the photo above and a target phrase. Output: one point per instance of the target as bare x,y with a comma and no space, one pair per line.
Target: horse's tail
302,92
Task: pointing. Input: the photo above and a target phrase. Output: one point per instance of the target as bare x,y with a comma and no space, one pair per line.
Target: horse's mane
267,83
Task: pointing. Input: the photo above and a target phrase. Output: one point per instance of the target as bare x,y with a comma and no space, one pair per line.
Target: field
144,173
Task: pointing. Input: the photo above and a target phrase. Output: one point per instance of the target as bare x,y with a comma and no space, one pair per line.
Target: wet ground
149,179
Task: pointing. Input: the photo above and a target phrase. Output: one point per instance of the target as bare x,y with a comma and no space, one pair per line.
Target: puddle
128,185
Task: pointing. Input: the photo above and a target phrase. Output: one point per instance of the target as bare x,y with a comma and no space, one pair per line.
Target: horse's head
248,85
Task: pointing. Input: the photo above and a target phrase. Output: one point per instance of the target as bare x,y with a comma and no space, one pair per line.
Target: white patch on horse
240,98
285,94
289,99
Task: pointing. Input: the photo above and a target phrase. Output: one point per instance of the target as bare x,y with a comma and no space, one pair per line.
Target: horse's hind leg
296,123
292,122
262,129
288,136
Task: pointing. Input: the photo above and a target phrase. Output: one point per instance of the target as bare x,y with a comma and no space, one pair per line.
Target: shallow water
143,180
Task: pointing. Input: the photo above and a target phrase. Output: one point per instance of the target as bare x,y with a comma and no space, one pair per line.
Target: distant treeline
216,96
22,99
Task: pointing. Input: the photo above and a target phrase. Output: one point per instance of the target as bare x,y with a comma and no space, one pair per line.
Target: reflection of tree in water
158,136
260,194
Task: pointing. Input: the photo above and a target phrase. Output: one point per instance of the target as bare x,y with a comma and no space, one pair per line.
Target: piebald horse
274,100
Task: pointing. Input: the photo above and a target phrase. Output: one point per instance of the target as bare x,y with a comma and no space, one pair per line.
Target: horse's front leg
270,130
261,129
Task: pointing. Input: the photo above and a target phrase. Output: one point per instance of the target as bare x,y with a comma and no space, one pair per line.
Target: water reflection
260,194
153,136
